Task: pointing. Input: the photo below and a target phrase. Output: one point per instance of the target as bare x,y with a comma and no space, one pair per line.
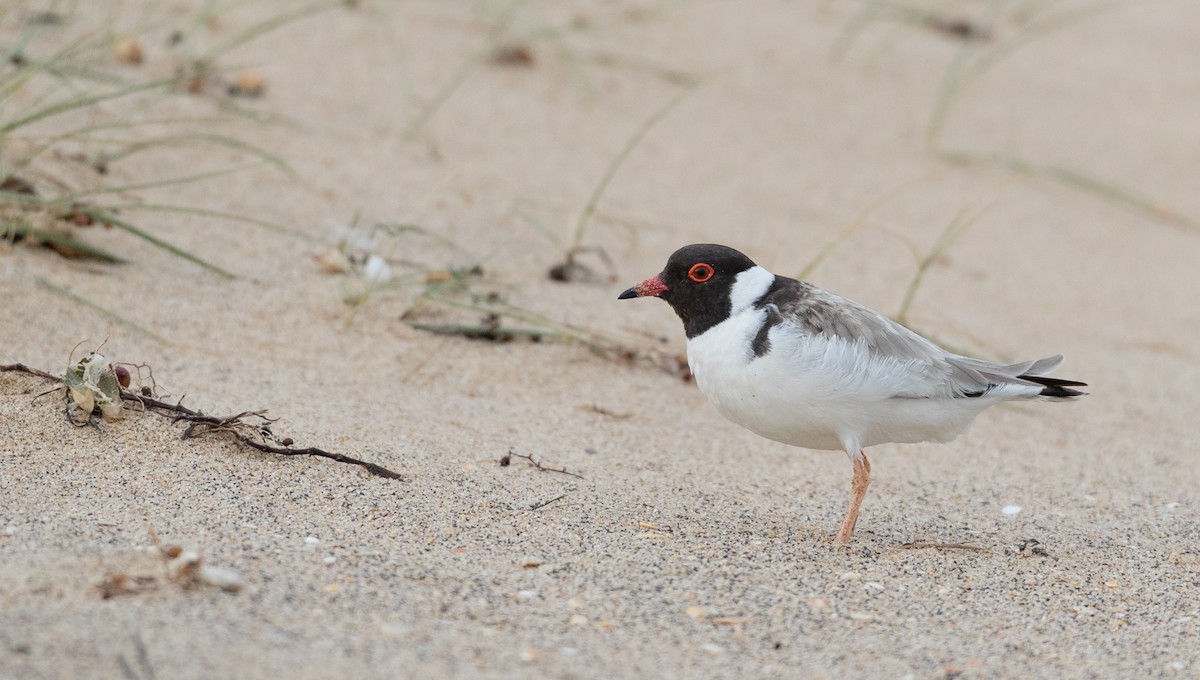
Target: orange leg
862,479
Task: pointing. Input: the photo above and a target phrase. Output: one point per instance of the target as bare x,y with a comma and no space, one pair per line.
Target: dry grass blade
963,72
456,79
1107,191
957,226
619,159
60,241
860,222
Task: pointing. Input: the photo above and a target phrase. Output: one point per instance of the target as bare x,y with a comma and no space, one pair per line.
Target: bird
798,364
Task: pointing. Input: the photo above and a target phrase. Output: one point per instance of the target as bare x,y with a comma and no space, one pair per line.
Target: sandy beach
1033,163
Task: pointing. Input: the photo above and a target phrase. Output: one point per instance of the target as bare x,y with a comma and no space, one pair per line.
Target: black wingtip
1056,388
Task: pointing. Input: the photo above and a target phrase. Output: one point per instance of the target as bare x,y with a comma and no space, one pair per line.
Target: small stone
526,595
578,620
311,541
128,51
529,655
1011,510
695,612
861,617
249,84
329,559
711,648
850,576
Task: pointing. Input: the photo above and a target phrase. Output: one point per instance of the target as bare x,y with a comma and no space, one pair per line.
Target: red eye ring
701,272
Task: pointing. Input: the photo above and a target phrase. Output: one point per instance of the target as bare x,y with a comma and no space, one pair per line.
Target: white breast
815,391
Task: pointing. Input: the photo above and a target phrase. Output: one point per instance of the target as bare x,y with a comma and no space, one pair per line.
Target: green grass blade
170,181
201,137
80,103
266,26
102,216
102,311
204,212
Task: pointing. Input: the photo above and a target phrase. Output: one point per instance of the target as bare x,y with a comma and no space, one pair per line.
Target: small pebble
330,559
311,541
526,595
128,51
712,648
1011,510
578,620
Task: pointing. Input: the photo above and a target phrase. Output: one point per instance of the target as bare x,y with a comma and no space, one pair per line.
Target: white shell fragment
221,577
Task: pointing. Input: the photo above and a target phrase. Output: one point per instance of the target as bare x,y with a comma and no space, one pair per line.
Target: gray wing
942,373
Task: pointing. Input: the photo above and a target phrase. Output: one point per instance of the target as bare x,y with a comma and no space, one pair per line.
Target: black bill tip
631,293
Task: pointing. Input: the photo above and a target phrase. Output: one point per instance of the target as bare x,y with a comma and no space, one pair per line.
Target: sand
686,546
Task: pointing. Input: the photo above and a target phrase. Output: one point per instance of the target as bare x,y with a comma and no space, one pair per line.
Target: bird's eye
700,272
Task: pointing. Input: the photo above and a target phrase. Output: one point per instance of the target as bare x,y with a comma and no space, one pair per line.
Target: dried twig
22,368
529,457
616,415
255,437
542,504
942,546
